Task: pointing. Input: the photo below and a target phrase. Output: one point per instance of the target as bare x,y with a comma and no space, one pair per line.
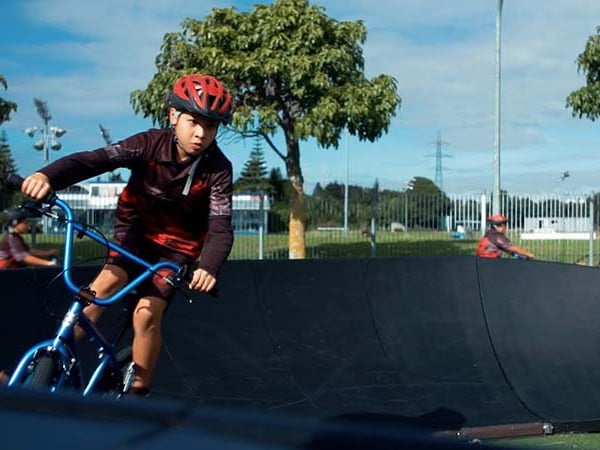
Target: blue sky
84,58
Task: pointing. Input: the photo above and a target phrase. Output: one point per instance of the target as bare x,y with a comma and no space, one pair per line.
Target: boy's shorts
152,253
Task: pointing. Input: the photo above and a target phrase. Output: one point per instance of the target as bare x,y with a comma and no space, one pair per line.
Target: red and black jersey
492,244
184,206
13,251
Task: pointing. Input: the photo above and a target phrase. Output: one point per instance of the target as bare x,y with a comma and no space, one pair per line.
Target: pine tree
7,164
253,177
6,106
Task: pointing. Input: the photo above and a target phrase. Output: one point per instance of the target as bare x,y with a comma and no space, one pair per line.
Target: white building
94,203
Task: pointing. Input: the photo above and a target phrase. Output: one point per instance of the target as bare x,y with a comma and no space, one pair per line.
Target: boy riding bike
176,206
494,242
14,251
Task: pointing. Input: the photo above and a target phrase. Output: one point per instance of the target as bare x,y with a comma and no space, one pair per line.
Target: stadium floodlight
31,131
58,132
49,135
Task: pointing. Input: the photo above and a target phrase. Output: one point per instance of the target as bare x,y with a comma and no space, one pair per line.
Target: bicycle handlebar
73,228
15,181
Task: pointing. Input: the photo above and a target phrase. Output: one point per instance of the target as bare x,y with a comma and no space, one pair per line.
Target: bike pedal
142,392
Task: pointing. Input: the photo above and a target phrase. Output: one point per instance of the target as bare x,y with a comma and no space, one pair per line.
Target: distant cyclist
14,251
494,242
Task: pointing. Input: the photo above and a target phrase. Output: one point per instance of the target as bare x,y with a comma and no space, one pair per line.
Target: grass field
418,243
320,244
579,441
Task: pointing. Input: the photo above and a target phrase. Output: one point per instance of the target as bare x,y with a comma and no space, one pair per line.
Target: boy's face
501,228
194,133
22,226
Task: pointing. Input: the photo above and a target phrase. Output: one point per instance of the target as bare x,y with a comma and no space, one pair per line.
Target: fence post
591,242
261,227
374,195
483,213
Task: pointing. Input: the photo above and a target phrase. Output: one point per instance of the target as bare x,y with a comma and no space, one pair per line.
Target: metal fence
553,227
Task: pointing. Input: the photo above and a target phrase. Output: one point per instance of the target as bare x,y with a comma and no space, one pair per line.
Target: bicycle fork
59,349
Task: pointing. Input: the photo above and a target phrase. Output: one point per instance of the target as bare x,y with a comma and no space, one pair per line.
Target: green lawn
418,243
579,441
323,244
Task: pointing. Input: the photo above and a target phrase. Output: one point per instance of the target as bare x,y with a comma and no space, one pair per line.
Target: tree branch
273,147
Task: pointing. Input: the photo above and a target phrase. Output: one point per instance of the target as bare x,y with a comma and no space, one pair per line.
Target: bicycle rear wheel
113,382
43,373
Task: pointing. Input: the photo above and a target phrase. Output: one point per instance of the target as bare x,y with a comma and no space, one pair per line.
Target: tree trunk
297,224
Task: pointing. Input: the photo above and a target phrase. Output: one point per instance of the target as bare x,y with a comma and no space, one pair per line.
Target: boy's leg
110,279
147,318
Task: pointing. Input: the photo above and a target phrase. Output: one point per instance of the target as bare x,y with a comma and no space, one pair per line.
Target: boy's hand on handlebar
36,186
202,281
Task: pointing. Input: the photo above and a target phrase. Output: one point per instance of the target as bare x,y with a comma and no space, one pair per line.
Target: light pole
496,196
407,188
50,135
347,176
105,134
48,141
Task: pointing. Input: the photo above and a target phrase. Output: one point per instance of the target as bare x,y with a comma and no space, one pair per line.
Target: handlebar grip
184,275
14,181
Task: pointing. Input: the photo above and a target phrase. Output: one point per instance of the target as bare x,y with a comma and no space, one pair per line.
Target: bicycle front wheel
43,373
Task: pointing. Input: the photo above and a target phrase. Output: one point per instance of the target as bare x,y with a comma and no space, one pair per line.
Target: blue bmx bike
55,364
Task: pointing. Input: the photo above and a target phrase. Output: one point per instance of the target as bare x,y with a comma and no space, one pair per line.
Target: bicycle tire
43,373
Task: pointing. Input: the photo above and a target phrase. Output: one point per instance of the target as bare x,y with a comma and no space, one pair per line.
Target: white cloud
441,53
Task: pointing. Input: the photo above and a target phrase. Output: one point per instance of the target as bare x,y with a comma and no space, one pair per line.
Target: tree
293,70
254,174
7,165
586,100
6,107
280,194
327,205
427,204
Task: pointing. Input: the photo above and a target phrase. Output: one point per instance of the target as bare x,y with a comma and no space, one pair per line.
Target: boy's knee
146,317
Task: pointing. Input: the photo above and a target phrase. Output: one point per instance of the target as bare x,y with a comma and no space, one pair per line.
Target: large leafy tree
293,70
6,107
585,101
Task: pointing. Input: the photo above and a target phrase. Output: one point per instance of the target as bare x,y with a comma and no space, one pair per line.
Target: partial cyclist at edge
494,242
15,253
176,206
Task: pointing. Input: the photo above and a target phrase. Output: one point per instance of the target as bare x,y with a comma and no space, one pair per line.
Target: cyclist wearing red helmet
176,205
14,251
494,242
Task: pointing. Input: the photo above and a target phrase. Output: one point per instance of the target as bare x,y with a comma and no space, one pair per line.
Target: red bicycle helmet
497,219
202,94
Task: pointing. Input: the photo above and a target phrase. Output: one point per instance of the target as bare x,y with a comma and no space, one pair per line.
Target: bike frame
62,346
